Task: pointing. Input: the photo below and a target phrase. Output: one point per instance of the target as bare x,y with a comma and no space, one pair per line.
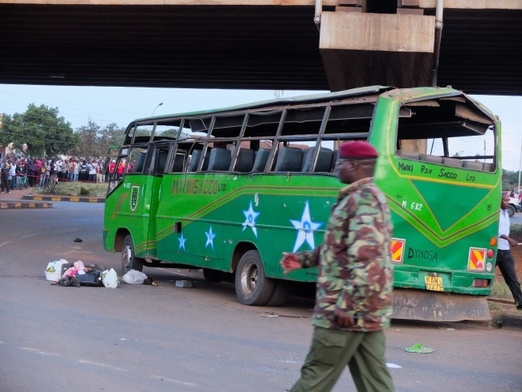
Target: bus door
153,171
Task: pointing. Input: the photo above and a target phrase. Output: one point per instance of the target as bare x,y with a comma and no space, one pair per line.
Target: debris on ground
419,348
62,273
272,314
137,277
184,283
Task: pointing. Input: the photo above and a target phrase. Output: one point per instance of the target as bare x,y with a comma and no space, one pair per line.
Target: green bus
228,190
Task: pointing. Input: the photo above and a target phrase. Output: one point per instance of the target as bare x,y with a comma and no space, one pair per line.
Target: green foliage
500,290
515,232
95,141
509,180
84,192
41,129
77,189
47,134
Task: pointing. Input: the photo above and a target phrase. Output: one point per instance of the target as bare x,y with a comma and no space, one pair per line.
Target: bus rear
442,177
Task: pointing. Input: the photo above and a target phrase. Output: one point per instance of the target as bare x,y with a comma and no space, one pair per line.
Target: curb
511,320
24,204
83,199
504,313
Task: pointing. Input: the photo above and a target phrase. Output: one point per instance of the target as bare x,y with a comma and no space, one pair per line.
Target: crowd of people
18,171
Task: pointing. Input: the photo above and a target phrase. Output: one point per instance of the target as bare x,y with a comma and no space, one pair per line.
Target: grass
77,189
500,290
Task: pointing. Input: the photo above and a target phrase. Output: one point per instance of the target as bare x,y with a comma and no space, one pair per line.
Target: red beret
357,150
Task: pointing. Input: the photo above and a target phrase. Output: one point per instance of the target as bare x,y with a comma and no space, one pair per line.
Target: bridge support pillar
360,49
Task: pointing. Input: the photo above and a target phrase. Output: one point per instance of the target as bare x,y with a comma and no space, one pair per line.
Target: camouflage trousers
331,350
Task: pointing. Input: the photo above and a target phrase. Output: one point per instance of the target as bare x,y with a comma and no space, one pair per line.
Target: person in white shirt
505,261
12,175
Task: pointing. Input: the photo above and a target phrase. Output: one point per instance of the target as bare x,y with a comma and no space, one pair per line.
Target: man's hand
290,262
342,319
512,242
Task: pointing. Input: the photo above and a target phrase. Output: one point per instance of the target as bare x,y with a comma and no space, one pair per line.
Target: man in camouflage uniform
354,286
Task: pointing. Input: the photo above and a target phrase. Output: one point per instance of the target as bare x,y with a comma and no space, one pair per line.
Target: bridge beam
360,49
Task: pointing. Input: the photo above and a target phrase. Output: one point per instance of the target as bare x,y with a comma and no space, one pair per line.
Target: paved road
166,338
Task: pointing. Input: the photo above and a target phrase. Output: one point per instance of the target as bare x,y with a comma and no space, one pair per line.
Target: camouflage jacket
355,270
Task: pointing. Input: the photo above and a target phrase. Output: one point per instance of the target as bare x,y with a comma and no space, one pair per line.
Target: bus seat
475,165
219,159
488,167
194,161
289,159
140,162
324,160
334,160
179,162
430,158
472,165
452,162
408,154
261,158
162,161
245,160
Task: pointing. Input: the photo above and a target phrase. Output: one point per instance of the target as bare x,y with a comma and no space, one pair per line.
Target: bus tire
212,276
278,297
128,258
252,286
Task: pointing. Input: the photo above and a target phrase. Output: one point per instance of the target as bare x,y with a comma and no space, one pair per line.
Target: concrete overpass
263,44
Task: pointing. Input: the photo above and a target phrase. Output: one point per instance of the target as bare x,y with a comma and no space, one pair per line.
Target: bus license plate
434,283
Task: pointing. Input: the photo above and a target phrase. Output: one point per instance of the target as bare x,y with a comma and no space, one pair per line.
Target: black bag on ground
68,281
91,277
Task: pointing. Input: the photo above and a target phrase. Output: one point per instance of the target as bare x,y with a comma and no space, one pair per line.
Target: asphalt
503,311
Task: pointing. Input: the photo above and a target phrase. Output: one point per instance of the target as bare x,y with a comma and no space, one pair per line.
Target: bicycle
22,182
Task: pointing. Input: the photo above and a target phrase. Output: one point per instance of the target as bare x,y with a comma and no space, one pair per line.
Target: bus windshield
229,190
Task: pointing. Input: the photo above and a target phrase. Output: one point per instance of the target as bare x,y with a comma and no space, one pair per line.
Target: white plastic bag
110,279
55,269
134,277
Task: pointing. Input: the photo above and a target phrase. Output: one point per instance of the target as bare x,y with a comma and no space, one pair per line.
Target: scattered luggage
62,273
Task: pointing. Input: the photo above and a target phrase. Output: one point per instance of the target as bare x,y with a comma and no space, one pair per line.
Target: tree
41,129
509,180
87,138
94,141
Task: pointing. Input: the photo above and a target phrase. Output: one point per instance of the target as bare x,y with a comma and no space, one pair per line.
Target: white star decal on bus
250,220
181,242
210,238
305,229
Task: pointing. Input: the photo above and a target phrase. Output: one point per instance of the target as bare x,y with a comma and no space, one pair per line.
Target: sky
121,105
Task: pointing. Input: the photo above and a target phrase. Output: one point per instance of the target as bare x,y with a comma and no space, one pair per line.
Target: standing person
73,173
12,174
354,286
4,174
91,168
505,261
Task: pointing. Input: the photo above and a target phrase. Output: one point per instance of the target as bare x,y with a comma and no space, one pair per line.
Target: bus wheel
252,286
278,297
212,276
128,259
